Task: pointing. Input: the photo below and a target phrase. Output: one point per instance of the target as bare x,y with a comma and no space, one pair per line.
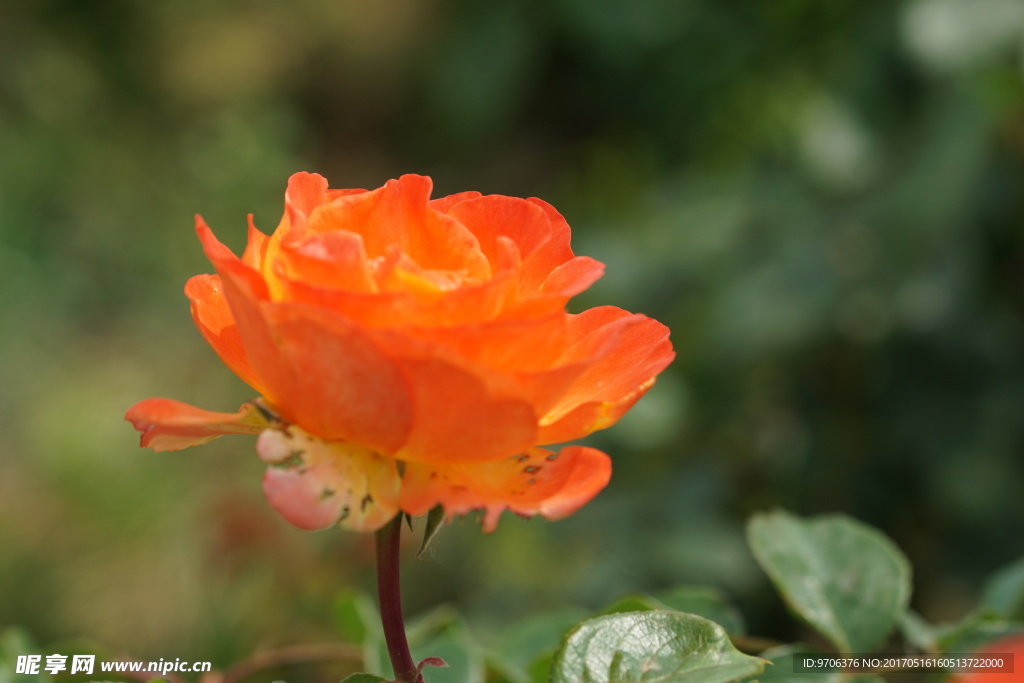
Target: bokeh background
823,200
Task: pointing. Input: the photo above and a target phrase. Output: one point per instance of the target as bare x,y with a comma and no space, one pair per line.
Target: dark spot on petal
532,481
327,493
344,513
367,500
522,458
531,469
433,475
553,456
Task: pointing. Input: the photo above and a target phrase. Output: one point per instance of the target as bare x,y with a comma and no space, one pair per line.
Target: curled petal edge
536,482
168,425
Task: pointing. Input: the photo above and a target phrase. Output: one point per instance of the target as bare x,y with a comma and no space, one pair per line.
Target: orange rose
411,353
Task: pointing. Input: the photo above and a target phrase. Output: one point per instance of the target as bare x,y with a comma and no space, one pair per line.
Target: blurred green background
823,199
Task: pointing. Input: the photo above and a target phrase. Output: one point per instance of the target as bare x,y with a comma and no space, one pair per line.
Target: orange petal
225,261
461,412
335,260
615,381
553,253
468,304
494,216
168,425
244,289
213,317
337,383
573,277
315,483
306,191
334,194
444,204
584,344
457,419
398,214
535,482
505,345
255,247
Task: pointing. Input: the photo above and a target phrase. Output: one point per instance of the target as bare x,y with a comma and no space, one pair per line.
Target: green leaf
435,520
975,630
707,602
520,646
359,622
918,632
355,615
704,601
364,678
633,602
845,579
655,645
964,635
1004,592
17,641
460,652
540,668
428,625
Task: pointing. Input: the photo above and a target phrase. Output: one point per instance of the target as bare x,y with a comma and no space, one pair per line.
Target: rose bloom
411,353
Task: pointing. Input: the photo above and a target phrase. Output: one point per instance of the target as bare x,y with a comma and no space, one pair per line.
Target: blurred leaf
961,636
1004,592
435,520
974,630
707,602
364,678
634,602
919,632
526,640
845,579
15,642
704,601
540,668
457,648
355,615
428,625
650,646
359,622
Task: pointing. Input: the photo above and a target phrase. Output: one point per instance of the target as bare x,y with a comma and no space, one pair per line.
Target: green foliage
705,601
819,565
843,578
463,656
654,645
15,642
1004,592
358,622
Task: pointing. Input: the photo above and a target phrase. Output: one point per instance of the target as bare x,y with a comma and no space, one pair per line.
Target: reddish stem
390,597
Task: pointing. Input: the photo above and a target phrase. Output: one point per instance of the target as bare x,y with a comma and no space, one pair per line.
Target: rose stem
390,597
